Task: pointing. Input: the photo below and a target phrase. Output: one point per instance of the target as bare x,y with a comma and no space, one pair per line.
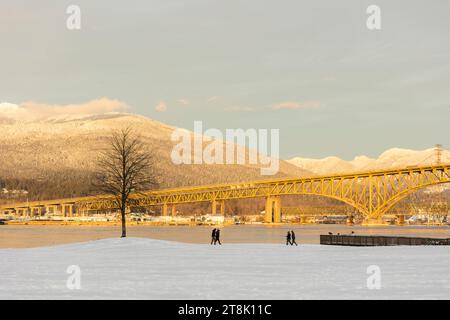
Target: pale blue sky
363,91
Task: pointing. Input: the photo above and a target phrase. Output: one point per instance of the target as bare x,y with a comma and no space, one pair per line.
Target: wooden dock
376,241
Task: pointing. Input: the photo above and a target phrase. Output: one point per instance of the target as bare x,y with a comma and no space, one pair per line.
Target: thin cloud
183,102
212,99
292,105
161,107
29,111
239,108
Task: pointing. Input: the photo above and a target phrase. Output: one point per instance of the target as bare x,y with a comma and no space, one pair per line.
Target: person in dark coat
217,237
288,238
293,238
213,236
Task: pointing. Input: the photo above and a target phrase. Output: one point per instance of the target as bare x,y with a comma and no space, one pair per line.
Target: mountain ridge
57,155
390,158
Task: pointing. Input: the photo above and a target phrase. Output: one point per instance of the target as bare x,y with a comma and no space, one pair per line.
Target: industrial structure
372,193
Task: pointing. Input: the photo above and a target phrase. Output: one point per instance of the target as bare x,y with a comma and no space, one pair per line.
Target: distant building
13,193
212,219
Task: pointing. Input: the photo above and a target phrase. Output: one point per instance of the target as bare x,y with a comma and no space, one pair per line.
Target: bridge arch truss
372,193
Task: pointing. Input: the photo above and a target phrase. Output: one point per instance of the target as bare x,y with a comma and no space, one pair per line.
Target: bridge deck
371,192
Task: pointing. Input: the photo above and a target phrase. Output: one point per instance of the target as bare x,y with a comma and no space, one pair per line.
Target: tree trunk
124,226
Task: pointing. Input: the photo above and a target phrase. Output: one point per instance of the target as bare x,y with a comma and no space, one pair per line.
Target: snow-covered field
151,269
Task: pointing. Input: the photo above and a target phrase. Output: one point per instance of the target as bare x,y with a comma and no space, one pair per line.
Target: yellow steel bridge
372,193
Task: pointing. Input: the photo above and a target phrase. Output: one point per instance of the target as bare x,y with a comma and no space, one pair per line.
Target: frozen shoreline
137,268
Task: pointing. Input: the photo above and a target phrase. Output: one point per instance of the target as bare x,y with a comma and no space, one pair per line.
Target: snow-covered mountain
58,154
392,158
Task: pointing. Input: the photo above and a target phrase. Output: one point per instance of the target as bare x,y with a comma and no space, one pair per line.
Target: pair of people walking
290,238
215,236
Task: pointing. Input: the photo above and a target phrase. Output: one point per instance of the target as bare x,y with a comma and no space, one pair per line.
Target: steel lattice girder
372,193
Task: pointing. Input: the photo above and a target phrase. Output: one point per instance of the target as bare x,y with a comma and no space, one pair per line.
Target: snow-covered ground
151,269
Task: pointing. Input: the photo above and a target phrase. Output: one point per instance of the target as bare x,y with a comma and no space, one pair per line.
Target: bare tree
125,167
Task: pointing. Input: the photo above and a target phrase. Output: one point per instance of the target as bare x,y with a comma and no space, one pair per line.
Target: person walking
217,237
288,238
213,236
293,238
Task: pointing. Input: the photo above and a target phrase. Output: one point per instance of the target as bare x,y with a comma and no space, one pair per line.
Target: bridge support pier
165,210
400,220
48,209
7,212
36,211
214,204
350,221
67,210
174,210
23,212
273,209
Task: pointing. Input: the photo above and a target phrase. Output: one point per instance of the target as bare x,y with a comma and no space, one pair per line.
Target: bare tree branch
124,168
